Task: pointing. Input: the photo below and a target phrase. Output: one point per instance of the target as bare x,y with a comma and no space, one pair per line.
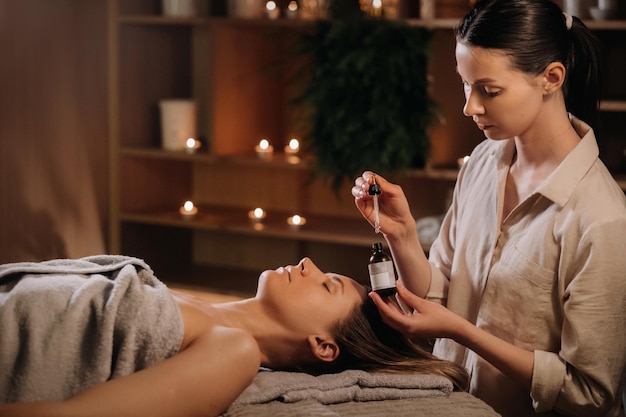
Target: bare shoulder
231,343
220,363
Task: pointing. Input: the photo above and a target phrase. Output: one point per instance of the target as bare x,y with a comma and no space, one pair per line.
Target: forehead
480,62
350,286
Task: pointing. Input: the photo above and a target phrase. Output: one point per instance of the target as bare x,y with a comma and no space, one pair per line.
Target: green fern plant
368,94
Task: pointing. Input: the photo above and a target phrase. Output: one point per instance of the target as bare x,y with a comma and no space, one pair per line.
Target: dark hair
367,343
534,33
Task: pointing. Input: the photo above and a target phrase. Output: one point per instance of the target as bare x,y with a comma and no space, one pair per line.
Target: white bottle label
382,275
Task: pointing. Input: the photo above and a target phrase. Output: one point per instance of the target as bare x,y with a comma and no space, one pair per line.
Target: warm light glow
191,145
294,144
292,6
377,4
462,161
188,210
296,221
270,5
264,149
264,145
292,150
256,215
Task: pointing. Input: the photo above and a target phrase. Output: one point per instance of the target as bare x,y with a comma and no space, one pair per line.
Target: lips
482,126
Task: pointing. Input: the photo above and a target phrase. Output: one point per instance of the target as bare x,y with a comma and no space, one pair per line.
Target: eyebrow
484,81
481,81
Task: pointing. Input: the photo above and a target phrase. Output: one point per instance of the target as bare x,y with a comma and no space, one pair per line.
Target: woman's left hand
428,320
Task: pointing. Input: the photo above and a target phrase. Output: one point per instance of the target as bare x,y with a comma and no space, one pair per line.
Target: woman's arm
398,226
202,380
432,320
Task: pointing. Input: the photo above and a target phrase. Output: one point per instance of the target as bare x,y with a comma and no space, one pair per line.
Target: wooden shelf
235,220
445,23
613,105
277,160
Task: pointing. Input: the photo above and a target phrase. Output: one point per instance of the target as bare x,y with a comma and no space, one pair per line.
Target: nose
304,262
472,105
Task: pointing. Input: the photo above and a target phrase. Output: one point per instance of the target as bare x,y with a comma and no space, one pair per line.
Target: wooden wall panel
52,128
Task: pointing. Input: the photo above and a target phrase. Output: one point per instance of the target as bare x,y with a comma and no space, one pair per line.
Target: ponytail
582,80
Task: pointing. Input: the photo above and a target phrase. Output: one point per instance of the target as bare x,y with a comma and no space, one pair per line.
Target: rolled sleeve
438,290
548,374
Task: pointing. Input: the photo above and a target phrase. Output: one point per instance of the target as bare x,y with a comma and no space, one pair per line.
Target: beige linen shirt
549,278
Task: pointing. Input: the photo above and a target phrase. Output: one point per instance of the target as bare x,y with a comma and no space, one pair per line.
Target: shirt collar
561,183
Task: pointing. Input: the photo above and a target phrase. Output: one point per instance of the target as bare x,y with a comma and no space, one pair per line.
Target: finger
368,176
390,312
408,297
358,192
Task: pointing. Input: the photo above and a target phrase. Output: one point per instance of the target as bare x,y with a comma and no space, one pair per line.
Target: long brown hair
368,344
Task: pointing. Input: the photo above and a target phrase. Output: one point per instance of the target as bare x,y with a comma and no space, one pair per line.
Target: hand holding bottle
428,319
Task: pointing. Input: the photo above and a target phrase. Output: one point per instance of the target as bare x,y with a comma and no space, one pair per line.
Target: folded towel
350,385
66,325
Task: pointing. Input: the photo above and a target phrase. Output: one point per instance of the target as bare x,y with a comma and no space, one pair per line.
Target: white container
427,9
179,119
179,8
607,4
578,8
246,9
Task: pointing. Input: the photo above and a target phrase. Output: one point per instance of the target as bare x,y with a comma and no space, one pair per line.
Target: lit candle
256,215
188,210
292,9
377,8
271,10
296,221
462,161
264,149
293,147
192,145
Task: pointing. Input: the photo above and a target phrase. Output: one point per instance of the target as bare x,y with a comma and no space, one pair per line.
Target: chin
263,278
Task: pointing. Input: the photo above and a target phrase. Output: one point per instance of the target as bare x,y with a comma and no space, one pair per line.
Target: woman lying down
101,336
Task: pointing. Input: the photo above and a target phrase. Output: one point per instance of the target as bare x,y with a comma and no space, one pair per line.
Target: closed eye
327,286
491,93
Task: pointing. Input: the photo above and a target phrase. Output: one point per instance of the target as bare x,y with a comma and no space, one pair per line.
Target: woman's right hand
394,212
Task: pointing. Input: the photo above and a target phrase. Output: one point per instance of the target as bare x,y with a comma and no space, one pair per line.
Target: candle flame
258,213
264,144
270,5
294,144
188,205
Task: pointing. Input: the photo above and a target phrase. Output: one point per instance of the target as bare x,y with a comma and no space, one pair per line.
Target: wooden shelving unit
228,67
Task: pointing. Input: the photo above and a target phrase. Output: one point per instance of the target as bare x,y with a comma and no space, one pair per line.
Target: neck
545,146
279,347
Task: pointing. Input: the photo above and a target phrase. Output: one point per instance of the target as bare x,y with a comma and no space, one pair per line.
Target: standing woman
531,257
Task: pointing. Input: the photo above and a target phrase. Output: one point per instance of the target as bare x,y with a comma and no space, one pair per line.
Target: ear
553,77
325,349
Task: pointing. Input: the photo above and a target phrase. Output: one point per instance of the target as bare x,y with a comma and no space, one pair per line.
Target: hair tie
568,20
